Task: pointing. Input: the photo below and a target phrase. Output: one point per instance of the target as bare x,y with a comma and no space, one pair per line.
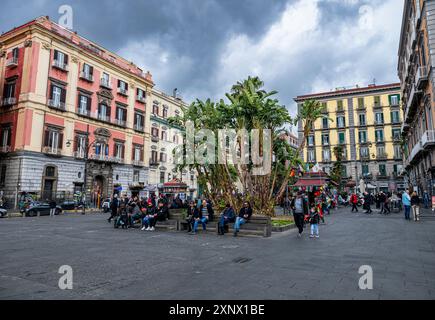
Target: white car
3,213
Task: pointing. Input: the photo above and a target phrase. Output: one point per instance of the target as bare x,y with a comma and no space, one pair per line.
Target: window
164,135
362,120
53,140
102,150
5,138
326,155
380,151
140,94
9,90
325,123
80,148
105,80
3,175
103,112
162,177
377,101
137,153
361,103
122,87
175,139
88,72
139,121
397,152
155,109
341,122
362,136
121,115
365,170
154,155
15,53
155,132
84,104
325,139
395,117
379,118
311,141
394,100
136,175
165,112
119,151
379,134
382,170
50,172
341,138
163,157
364,152
396,134
57,96
340,105
60,59
311,156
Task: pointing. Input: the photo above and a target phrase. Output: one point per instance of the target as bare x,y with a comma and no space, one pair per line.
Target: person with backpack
227,216
300,209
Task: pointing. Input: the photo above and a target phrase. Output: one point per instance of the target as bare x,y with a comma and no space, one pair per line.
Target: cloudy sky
202,47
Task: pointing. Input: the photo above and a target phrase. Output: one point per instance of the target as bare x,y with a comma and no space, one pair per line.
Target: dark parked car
68,205
42,208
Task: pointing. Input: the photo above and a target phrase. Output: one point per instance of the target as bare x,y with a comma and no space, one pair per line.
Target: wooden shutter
63,95
141,154
51,91
132,154
60,145
126,86
89,103
123,151
15,52
119,83
66,59
46,138
56,55
91,70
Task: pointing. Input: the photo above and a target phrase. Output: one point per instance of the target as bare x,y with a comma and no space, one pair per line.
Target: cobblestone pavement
130,264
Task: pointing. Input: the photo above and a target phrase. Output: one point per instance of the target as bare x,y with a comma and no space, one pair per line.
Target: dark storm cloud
203,46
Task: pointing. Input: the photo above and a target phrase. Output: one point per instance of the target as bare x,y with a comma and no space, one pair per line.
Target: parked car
3,212
68,205
42,208
106,205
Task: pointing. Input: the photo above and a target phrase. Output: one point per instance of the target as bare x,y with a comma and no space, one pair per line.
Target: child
314,221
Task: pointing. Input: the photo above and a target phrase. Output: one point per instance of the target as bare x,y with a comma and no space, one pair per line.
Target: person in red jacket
354,202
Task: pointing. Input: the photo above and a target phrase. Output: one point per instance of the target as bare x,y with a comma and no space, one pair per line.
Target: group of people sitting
205,213
127,212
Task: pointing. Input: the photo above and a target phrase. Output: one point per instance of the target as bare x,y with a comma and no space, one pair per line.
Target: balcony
139,128
411,106
56,104
379,122
52,151
382,156
60,65
422,77
79,155
87,76
7,102
104,158
100,117
119,122
155,139
140,99
84,112
428,139
5,149
340,109
105,84
138,163
154,163
377,105
123,92
12,62
382,176
415,152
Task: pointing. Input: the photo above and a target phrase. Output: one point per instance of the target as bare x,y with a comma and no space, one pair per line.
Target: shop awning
310,183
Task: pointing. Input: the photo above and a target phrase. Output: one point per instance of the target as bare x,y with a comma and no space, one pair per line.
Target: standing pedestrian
53,205
354,202
406,201
300,209
314,222
382,198
426,199
415,203
367,203
114,205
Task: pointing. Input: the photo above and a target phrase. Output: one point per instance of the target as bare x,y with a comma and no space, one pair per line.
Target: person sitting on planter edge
244,215
192,211
162,211
202,217
150,217
227,216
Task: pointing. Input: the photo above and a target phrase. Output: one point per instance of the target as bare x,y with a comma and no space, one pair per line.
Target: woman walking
415,204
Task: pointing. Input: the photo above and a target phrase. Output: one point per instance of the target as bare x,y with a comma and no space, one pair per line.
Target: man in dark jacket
300,209
53,206
367,203
227,216
244,216
192,211
114,205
